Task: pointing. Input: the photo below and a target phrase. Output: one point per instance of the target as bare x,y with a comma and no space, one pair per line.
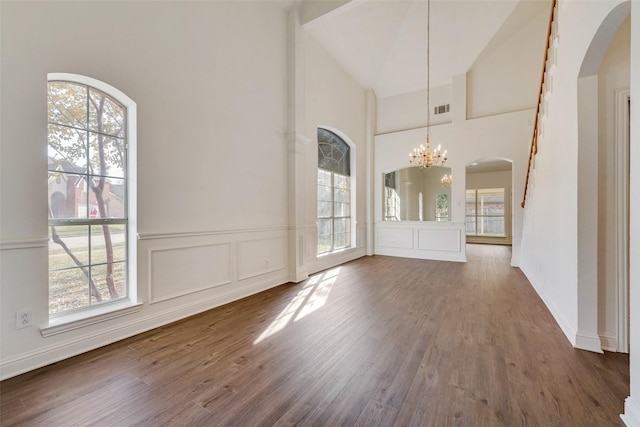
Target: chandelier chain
423,156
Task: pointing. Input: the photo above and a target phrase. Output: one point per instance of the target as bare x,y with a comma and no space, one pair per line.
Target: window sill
89,317
336,252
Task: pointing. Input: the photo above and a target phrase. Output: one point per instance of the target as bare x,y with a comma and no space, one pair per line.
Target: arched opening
603,187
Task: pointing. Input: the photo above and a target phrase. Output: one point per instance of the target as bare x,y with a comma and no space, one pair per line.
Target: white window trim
64,322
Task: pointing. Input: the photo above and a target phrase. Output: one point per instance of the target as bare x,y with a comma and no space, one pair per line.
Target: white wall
613,75
333,100
409,110
632,405
210,83
506,75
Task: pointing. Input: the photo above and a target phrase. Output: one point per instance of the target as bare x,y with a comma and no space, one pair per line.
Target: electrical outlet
24,318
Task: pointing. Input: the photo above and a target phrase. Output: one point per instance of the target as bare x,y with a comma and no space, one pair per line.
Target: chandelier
446,180
423,156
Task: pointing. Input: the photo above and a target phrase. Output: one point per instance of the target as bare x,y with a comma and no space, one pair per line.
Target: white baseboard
569,331
588,342
609,342
631,416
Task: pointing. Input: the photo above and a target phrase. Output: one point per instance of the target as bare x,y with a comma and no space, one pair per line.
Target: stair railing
533,150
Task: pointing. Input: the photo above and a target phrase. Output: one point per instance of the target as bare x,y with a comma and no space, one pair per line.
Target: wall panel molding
260,256
205,233
447,239
200,267
8,245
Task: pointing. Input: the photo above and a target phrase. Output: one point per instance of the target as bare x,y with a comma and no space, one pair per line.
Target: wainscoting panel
179,271
394,237
439,239
260,256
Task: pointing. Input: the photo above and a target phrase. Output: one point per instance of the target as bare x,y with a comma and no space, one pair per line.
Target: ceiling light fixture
446,180
423,156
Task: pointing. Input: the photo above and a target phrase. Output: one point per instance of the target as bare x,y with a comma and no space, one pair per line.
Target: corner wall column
299,236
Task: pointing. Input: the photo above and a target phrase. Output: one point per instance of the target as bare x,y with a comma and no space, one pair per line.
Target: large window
485,213
90,206
334,192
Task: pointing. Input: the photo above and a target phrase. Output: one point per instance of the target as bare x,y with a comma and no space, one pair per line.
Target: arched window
334,192
91,199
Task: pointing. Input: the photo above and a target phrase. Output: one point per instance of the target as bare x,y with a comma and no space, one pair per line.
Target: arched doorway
602,202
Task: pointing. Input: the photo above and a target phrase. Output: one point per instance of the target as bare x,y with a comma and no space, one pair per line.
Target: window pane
324,244
68,247
67,149
470,207
491,226
340,181
106,115
333,152
67,104
113,151
340,225
109,280
342,195
324,193
324,227
341,209
471,225
339,241
116,233
324,177
342,234
324,209
68,289
113,198
66,194
324,235
491,201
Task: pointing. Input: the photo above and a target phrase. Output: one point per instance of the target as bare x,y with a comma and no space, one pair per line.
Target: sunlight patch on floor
311,297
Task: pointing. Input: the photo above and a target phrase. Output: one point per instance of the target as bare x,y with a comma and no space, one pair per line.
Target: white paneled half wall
421,239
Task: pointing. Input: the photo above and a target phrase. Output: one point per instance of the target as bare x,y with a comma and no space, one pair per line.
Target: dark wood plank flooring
380,341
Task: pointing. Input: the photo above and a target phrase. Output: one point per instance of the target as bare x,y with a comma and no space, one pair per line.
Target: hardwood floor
379,341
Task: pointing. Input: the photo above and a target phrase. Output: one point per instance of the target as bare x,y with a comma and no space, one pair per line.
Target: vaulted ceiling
383,43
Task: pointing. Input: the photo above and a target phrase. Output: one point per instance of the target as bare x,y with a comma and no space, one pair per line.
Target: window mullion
477,215
333,216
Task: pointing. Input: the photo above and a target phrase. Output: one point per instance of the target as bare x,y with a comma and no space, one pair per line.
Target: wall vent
441,109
